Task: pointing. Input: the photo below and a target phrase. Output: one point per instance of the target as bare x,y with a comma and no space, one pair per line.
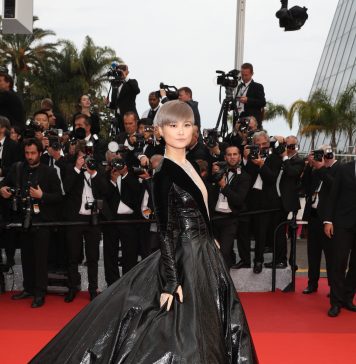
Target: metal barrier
293,226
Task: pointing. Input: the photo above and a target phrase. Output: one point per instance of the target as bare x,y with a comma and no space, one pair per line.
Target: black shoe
93,294
257,268
69,297
241,264
310,290
349,306
334,311
38,302
280,265
21,295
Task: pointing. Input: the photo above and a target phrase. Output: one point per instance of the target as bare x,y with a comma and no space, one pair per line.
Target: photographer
263,169
124,199
83,122
185,94
250,96
11,106
340,228
231,188
34,192
150,244
318,179
288,186
243,132
9,154
124,92
150,114
85,188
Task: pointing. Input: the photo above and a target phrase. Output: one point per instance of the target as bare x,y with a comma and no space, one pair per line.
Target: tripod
226,106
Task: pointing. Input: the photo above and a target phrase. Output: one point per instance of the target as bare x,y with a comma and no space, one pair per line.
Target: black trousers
343,249
127,234
243,239
75,235
34,255
262,223
225,232
317,243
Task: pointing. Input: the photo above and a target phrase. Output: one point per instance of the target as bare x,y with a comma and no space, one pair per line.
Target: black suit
317,184
73,186
256,101
130,194
12,107
125,101
225,229
34,243
289,187
341,211
264,199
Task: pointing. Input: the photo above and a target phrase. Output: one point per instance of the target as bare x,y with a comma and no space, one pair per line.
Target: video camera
171,91
211,137
229,79
115,73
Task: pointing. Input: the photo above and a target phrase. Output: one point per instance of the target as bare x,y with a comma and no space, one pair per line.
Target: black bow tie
233,170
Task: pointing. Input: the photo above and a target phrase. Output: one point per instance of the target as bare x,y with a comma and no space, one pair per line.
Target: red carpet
287,328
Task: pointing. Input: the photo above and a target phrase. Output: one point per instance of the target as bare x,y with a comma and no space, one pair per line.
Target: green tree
272,111
25,53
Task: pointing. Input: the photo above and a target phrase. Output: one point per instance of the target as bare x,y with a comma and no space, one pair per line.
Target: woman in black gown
179,305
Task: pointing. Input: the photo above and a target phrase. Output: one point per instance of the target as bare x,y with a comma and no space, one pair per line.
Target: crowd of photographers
51,172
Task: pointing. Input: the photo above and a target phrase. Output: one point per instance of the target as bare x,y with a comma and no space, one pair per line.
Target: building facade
337,68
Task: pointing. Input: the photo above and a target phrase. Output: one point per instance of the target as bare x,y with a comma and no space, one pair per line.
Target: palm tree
25,53
93,61
310,114
272,111
346,108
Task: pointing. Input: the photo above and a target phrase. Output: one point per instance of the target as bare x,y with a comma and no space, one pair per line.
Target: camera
328,154
16,194
254,151
243,124
318,155
89,159
31,128
95,206
115,74
171,91
54,138
118,164
277,147
216,177
229,79
211,137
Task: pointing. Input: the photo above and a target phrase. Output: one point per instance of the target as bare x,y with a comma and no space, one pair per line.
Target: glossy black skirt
125,324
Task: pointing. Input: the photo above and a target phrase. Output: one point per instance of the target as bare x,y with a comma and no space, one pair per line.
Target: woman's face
177,134
85,101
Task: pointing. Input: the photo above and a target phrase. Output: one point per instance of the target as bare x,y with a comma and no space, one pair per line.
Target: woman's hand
167,297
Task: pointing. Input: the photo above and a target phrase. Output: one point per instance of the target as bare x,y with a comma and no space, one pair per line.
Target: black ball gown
125,323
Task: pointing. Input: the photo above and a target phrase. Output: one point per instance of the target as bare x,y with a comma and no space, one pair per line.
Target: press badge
223,205
36,208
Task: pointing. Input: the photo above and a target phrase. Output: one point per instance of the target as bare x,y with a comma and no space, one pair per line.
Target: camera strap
87,180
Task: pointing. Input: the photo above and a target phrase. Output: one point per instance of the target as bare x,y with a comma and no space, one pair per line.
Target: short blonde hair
172,112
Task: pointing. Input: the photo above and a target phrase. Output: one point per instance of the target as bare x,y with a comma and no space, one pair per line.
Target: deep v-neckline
198,195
